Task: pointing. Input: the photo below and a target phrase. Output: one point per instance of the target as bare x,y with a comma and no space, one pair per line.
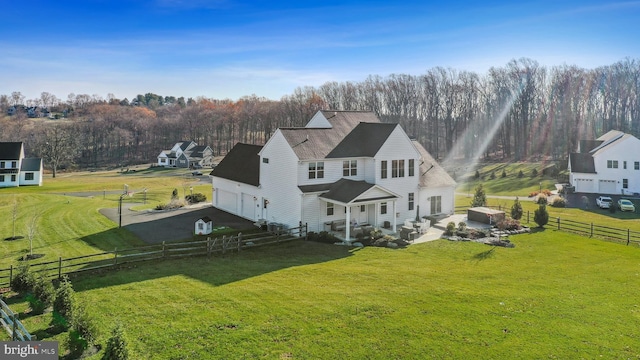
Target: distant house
15,169
186,154
343,167
609,164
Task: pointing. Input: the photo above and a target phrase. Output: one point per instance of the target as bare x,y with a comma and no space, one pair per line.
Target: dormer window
350,168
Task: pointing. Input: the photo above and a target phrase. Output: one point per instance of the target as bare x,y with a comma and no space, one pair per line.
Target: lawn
554,295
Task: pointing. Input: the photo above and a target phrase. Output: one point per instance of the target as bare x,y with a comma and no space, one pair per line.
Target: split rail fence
12,325
118,257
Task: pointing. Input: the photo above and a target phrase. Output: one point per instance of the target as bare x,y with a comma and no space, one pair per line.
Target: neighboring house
343,166
608,165
186,154
15,169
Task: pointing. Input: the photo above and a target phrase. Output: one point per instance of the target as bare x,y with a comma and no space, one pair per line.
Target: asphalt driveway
157,226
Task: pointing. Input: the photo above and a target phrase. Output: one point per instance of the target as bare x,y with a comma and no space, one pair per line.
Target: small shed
485,215
204,226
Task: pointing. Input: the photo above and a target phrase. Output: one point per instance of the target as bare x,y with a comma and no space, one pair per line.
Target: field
555,295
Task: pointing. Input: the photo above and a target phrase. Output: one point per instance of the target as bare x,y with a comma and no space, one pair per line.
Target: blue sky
232,48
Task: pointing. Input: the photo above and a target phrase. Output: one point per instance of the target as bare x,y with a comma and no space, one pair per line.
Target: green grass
554,295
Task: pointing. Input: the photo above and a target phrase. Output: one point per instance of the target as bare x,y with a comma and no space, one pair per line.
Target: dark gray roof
205,219
314,188
316,143
588,145
184,145
241,164
582,163
365,140
31,164
346,191
431,173
10,150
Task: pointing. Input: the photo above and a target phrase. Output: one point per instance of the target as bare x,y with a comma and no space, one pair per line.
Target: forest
517,112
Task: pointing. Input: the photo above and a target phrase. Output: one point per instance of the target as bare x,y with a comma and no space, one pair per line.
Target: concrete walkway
436,230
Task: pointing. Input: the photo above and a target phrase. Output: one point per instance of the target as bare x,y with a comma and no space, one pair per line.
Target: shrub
83,333
493,175
477,175
504,174
196,198
558,201
174,194
24,279
43,295
534,172
116,345
541,215
516,209
65,298
509,224
520,174
462,226
541,199
322,237
451,228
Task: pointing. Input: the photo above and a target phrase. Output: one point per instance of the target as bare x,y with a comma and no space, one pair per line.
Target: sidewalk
436,230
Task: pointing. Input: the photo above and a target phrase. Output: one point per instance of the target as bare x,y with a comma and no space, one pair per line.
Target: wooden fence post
208,246
528,217
558,223
10,274
59,267
164,251
115,256
591,235
224,244
239,241
14,327
628,236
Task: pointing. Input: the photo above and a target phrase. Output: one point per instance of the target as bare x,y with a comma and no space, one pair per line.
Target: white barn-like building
342,166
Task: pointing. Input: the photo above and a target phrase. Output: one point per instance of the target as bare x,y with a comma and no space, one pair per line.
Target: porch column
394,216
347,227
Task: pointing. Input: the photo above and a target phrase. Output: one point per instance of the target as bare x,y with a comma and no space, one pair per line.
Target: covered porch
365,206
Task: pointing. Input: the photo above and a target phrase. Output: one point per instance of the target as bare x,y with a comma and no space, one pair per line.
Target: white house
343,166
15,169
186,154
203,226
608,165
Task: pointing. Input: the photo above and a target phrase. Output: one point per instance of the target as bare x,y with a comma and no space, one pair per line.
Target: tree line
515,112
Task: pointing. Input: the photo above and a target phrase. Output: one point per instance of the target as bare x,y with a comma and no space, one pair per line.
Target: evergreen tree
116,345
541,215
516,209
479,198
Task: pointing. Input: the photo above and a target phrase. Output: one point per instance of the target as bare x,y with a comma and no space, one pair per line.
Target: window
329,209
28,176
265,160
412,169
200,226
625,183
316,170
350,168
624,165
1,164
1,178
383,208
411,201
397,168
383,169
14,164
436,205
363,208
13,178
612,164
636,165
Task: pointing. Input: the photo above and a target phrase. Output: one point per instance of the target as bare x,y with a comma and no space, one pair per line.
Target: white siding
232,196
279,184
227,201
447,196
312,213
627,149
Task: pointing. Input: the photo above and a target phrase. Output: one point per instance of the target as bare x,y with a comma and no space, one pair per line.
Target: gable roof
197,151
582,163
31,164
10,150
346,191
312,143
365,139
588,145
241,164
431,173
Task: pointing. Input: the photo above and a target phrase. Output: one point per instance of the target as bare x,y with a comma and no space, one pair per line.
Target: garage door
585,185
248,206
607,187
227,201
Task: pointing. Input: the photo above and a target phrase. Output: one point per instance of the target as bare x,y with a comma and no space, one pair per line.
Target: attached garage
584,185
607,186
227,201
248,206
